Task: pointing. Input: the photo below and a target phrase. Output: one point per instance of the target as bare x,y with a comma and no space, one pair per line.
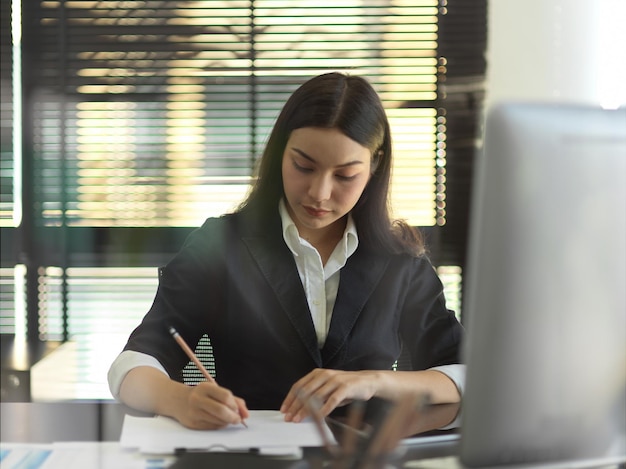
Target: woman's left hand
331,388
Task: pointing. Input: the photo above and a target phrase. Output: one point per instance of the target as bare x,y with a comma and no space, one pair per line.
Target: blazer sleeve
187,297
429,330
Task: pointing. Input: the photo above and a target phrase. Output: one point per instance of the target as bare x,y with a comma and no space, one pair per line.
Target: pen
192,356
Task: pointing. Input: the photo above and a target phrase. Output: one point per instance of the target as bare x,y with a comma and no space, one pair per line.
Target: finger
287,402
235,404
301,408
243,411
203,417
218,405
332,394
222,395
296,411
292,396
338,398
219,415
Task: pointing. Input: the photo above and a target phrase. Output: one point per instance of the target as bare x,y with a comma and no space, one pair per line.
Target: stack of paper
267,432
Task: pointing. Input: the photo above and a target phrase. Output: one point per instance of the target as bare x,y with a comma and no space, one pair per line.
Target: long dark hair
350,104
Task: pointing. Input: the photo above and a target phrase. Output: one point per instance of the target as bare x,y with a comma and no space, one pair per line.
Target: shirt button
316,302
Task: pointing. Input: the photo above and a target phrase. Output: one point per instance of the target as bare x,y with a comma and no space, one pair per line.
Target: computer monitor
545,304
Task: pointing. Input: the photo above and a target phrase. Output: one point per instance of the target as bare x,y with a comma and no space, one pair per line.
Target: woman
309,288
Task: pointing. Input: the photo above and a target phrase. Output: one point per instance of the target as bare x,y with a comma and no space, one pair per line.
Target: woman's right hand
210,406
206,406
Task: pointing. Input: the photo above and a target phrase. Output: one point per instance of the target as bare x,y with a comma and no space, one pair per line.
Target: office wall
557,50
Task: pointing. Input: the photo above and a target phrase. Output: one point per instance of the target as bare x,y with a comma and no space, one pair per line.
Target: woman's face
324,174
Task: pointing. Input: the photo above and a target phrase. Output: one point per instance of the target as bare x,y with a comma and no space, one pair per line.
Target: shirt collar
347,245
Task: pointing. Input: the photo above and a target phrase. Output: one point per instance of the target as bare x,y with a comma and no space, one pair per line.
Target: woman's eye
346,178
302,169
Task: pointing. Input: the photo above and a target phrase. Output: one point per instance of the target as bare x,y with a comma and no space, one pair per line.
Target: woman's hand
331,388
206,406
209,406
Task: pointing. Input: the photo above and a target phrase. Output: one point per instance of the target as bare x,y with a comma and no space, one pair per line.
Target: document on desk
266,430
77,455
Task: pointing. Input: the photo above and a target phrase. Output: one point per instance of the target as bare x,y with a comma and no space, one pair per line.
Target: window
138,120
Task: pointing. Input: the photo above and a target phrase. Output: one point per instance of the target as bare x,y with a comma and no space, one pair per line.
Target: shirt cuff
456,373
126,361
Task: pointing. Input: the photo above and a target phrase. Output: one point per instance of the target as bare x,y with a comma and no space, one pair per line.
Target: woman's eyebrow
312,160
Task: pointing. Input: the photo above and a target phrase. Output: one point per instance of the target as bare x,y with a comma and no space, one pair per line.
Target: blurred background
125,124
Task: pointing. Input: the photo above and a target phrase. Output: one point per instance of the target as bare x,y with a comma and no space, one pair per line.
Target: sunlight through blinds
147,117
7,175
153,112
104,300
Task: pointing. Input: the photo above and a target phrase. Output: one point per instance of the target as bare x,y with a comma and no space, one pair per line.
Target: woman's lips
314,212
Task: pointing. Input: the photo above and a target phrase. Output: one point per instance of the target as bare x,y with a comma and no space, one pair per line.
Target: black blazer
236,280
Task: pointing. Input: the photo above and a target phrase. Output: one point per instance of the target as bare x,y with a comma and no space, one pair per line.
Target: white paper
102,455
24,455
78,455
266,429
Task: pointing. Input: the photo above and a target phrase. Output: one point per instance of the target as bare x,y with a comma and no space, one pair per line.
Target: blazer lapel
277,265
359,278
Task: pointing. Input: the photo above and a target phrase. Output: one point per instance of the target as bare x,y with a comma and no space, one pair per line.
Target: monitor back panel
545,304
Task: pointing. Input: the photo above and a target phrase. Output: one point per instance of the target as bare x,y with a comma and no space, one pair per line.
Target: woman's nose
320,188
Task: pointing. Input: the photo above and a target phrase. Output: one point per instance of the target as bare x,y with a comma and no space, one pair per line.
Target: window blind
6,117
462,44
153,113
103,300
7,176
148,116
7,300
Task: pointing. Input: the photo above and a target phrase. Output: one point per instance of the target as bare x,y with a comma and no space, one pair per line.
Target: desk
101,421
96,426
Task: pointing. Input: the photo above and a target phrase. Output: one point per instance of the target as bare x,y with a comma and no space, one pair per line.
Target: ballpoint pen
194,358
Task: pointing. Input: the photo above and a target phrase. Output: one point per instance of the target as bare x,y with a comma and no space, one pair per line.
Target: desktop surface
80,424
87,422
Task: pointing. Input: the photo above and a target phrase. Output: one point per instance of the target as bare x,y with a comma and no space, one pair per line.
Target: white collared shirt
320,282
